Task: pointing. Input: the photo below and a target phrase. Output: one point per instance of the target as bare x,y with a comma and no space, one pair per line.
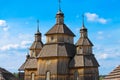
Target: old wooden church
59,58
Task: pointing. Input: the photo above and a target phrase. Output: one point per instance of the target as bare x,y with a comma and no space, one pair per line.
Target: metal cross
59,1
83,18
37,25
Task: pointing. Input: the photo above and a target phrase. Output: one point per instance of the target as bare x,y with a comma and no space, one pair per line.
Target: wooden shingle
30,63
6,75
84,61
36,45
84,41
114,75
60,29
57,50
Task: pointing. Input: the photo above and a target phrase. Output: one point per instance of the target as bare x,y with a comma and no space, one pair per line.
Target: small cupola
83,29
37,44
38,34
83,40
60,17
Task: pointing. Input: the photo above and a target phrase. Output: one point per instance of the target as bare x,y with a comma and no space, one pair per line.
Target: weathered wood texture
60,58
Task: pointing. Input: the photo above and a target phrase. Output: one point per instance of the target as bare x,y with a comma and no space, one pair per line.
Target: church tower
37,44
53,60
28,69
84,66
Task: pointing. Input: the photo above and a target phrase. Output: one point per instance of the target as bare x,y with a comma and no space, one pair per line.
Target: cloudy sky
18,25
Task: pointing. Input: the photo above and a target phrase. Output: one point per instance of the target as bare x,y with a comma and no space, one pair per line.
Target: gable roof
114,75
60,29
30,63
6,75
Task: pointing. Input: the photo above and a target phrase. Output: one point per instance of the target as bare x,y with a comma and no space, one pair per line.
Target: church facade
59,58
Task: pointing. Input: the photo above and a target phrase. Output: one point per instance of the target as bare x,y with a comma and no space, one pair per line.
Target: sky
18,24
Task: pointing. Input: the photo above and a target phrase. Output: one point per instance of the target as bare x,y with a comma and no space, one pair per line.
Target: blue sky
18,25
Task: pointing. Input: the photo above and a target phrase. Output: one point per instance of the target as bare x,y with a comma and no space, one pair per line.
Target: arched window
33,76
48,76
76,75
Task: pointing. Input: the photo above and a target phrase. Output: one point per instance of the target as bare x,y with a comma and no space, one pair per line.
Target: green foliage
101,77
16,75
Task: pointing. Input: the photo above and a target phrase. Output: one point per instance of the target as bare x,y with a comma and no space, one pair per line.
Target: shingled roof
81,60
57,49
30,63
60,29
6,75
114,75
37,45
84,41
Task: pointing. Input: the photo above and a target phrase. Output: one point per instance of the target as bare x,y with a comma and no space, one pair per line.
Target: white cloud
103,56
77,29
102,20
12,60
23,44
3,23
103,35
5,28
100,35
93,17
43,39
106,55
100,32
9,46
107,52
